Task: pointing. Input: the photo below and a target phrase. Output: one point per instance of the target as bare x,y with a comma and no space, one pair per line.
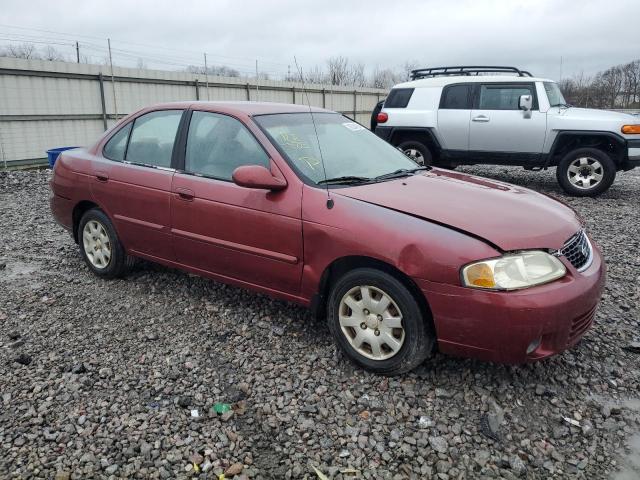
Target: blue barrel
52,154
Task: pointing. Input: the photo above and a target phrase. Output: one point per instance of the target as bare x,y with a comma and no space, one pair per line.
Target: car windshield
350,152
556,99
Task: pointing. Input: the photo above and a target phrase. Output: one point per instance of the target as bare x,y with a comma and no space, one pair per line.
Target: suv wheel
100,247
377,322
586,172
417,152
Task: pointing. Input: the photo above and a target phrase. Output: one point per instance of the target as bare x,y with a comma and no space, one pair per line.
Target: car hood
508,216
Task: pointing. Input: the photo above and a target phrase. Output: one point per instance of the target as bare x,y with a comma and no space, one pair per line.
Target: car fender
415,246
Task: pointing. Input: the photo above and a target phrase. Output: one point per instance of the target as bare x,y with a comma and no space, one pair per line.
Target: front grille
580,325
578,251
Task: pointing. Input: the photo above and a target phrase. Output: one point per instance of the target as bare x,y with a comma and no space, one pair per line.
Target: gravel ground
102,378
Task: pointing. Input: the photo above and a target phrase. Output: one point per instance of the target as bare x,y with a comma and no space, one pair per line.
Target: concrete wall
45,104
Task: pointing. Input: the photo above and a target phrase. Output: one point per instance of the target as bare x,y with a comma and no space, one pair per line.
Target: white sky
590,35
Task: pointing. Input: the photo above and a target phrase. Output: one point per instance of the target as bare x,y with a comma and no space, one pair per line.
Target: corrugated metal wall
53,104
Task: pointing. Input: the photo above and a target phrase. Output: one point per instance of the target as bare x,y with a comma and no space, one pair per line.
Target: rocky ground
118,378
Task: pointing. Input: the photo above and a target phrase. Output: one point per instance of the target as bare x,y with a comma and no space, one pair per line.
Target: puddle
631,462
17,269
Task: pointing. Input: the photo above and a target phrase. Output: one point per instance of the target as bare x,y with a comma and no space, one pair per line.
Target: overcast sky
589,35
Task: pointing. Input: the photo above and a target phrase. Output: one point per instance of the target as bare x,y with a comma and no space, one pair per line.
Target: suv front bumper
633,155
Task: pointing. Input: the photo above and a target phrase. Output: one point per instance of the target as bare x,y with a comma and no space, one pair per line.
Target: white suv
452,116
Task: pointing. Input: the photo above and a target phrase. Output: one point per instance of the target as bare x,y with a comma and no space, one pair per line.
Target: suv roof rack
465,70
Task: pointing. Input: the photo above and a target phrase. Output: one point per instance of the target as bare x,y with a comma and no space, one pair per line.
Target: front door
250,235
498,125
132,182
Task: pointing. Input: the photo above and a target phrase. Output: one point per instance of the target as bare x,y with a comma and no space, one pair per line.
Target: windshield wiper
565,105
402,172
345,180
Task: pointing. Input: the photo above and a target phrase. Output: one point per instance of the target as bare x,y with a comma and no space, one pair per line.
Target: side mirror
257,176
525,103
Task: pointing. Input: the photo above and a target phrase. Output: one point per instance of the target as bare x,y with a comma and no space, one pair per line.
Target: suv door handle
480,118
185,194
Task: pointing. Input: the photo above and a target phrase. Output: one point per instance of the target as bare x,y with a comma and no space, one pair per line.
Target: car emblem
584,249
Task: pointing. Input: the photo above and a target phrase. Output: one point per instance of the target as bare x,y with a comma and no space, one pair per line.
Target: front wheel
586,172
378,323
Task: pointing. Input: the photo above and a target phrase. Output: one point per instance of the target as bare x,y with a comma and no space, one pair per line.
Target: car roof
449,79
242,107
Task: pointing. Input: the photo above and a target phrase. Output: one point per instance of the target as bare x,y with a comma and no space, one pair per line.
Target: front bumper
633,155
501,326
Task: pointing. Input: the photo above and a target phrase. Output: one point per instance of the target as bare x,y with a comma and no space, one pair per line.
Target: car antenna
315,129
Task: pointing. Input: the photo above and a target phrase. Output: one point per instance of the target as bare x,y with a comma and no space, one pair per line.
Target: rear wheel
586,172
100,247
377,322
418,152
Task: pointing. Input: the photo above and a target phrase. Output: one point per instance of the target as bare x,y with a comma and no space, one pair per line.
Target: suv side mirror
257,176
525,103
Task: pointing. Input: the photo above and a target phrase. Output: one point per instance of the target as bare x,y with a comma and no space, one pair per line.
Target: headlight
513,271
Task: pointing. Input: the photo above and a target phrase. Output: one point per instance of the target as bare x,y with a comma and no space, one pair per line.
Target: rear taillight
382,117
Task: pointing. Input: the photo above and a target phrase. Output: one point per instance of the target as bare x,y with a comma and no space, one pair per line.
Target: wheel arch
78,211
424,135
568,140
342,265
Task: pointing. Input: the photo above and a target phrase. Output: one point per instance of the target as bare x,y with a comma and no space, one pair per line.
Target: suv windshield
556,99
351,153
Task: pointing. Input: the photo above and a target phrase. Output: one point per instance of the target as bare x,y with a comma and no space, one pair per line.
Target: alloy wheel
97,245
414,155
371,322
585,172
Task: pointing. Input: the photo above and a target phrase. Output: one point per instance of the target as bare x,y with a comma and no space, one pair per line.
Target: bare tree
357,76
216,70
407,67
141,65
616,87
338,70
383,78
25,50
52,54
314,75
631,72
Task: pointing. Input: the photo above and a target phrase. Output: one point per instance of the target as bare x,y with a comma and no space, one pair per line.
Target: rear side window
504,97
398,98
152,138
117,145
456,97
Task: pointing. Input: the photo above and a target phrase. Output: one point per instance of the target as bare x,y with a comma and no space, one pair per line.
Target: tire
586,172
418,152
100,246
398,349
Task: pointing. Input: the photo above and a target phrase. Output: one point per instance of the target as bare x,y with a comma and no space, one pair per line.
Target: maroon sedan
315,209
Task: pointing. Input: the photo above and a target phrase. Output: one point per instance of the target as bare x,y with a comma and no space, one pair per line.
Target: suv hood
594,114
508,216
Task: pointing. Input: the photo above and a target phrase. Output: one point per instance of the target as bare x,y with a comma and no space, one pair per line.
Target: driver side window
218,144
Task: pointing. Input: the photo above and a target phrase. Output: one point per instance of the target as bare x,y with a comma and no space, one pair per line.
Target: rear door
453,117
499,126
251,235
133,182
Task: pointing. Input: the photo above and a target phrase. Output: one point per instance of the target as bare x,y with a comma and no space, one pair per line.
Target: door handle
481,118
185,194
102,176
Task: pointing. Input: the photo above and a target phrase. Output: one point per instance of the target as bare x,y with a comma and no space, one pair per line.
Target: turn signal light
628,129
480,275
382,117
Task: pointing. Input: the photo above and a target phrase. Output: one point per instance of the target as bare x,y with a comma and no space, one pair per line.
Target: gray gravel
103,378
